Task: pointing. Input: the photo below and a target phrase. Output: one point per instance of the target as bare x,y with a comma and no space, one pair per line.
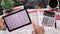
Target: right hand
38,29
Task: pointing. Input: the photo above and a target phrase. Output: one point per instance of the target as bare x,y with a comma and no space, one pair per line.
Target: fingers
2,25
38,29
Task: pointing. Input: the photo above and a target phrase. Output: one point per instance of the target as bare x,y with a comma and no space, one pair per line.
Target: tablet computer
17,20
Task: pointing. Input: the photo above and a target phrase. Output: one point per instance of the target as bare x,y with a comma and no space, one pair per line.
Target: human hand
2,25
38,29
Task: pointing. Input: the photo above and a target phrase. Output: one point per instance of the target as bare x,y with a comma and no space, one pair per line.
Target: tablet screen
17,20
